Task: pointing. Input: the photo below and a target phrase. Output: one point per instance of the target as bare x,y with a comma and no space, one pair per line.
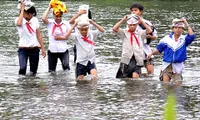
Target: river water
58,97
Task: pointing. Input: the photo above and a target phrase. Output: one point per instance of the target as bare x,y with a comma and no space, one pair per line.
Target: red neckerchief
132,34
85,38
57,25
30,29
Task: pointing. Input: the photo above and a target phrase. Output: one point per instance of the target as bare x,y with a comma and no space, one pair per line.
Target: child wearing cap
30,38
132,47
138,9
174,47
84,41
57,49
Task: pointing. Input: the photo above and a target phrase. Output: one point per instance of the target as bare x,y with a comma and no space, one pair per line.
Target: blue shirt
175,51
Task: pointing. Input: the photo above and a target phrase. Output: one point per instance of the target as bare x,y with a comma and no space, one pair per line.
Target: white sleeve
95,34
73,36
37,23
68,26
16,20
143,34
121,33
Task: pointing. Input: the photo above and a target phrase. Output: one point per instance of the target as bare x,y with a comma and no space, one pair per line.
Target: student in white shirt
84,40
132,48
57,48
30,38
87,13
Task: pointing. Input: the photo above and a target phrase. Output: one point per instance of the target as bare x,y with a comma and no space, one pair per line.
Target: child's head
83,27
132,22
29,9
58,16
29,13
137,9
178,26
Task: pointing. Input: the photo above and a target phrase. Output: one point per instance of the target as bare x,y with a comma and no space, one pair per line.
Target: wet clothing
132,52
148,62
169,72
29,46
132,48
57,49
75,54
28,53
84,70
85,50
53,59
91,27
174,51
125,71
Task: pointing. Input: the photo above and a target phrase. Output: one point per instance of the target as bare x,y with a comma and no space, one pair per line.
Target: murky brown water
58,97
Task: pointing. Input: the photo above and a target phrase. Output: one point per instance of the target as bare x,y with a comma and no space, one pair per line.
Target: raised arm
152,37
96,25
117,25
58,37
148,28
71,21
44,17
190,31
19,21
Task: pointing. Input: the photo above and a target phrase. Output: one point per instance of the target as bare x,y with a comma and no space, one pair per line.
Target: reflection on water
58,97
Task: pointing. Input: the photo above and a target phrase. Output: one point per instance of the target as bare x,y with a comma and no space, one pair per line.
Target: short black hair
137,5
31,11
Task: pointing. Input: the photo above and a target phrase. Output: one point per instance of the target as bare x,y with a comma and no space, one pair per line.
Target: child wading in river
132,48
174,47
84,41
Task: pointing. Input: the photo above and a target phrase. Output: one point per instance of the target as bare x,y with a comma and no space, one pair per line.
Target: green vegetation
170,108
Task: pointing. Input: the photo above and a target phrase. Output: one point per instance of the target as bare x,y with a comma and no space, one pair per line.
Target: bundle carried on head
83,20
178,23
83,23
86,8
58,7
27,4
132,19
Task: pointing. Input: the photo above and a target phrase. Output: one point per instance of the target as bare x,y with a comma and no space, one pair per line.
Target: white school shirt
176,67
85,51
57,46
146,47
28,39
129,50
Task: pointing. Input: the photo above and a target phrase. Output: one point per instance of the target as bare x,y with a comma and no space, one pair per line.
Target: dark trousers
28,53
53,59
75,53
125,71
84,70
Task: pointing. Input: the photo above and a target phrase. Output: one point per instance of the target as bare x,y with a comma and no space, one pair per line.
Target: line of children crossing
135,43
